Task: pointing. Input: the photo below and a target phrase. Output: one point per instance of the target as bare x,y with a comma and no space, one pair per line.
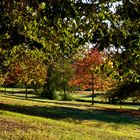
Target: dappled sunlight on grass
47,118
62,110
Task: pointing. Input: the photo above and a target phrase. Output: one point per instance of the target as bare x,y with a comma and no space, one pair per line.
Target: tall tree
25,68
126,34
59,27
87,72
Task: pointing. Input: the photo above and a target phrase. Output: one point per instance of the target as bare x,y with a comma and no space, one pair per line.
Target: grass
41,119
85,96
15,89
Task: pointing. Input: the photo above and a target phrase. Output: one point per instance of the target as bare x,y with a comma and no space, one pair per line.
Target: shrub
67,97
39,92
63,97
57,96
125,91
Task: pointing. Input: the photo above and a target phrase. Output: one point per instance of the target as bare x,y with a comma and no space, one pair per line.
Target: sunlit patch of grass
15,89
54,129
60,120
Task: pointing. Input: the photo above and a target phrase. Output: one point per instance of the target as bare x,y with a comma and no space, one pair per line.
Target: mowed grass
100,96
40,119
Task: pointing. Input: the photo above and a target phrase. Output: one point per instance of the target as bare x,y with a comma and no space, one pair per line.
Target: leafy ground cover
35,119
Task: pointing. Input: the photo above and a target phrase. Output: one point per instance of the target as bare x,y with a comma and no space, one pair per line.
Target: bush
57,96
39,92
125,91
63,97
67,97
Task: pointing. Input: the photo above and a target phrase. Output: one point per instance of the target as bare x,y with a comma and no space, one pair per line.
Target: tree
59,27
125,38
59,76
26,68
87,71
35,25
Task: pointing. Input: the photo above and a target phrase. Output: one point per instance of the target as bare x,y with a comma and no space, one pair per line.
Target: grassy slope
55,120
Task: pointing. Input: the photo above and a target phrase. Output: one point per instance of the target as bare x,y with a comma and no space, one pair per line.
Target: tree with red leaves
87,71
27,69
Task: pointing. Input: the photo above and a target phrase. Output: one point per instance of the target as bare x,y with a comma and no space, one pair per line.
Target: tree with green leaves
58,28
126,38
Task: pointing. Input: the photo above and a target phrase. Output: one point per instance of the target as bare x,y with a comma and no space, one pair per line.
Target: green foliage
125,91
50,31
57,96
38,91
58,78
67,97
60,96
128,59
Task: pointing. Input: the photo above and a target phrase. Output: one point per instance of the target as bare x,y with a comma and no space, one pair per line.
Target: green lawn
41,119
85,96
16,90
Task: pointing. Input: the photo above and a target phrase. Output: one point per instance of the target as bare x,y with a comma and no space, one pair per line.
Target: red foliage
85,68
13,73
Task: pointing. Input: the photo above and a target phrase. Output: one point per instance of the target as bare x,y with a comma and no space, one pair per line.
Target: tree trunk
64,86
12,91
26,93
92,76
5,91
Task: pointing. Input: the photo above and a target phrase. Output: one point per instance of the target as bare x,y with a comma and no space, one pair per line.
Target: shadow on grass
44,100
34,98
58,112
